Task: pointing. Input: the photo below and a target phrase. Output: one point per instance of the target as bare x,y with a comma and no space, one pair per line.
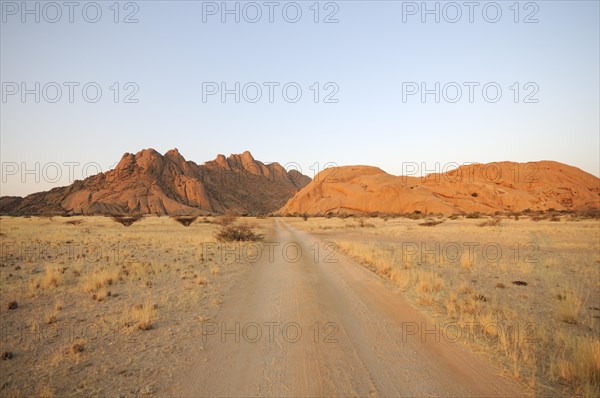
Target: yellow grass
142,316
92,282
568,306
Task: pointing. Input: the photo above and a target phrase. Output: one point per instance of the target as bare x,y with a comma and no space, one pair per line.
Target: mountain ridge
150,183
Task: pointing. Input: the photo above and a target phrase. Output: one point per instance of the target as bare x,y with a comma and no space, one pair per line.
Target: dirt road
303,325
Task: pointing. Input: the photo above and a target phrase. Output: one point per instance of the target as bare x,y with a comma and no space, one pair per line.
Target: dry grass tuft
52,277
93,282
568,307
429,282
578,363
142,316
50,316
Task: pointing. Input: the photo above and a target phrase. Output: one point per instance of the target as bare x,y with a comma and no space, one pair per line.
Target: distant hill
150,183
484,188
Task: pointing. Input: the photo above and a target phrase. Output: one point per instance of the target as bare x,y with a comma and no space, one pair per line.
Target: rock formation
484,188
150,183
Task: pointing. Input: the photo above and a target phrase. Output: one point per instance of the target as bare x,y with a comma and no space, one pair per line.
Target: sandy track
358,337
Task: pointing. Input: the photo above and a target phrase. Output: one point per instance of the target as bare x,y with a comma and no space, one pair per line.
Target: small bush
77,348
431,223
126,221
417,215
494,222
363,224
238,233
185,221
473,215
591,213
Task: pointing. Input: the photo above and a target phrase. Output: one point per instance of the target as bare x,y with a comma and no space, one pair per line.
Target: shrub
494,222
126,221
416,215
186,221
431,223
77,348
237,233
591,213
363,224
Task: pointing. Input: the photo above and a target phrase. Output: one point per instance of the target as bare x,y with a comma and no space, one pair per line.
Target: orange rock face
484,188
151,183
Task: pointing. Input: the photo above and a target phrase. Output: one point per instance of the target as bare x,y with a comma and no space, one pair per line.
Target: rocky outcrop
484,188
150,183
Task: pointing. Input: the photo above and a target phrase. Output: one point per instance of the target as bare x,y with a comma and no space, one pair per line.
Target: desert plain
475,305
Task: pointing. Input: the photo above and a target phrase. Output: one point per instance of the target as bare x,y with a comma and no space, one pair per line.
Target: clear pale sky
367,54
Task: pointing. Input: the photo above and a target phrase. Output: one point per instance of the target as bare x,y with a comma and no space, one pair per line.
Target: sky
307,84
